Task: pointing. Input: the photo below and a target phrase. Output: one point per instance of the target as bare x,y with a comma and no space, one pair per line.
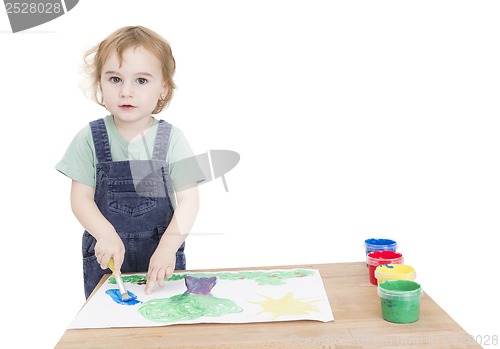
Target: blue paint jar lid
375,244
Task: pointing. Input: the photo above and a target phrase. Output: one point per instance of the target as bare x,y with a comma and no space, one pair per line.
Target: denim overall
134,197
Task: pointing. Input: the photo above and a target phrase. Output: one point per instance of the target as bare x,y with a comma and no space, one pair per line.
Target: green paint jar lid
399,289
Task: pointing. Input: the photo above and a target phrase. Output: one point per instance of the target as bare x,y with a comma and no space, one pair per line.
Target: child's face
131,90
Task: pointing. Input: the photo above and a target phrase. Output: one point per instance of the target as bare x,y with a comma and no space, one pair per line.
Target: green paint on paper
187,306
175,277
274,277
133,279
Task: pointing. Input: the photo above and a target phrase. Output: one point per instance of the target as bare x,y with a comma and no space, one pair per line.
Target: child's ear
99,95
164,90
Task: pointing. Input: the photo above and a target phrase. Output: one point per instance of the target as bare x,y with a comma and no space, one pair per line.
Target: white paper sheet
213,297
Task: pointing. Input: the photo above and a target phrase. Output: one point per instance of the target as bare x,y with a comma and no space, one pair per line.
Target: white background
353,119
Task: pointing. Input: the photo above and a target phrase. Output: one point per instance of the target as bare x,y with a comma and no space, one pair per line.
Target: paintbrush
119,281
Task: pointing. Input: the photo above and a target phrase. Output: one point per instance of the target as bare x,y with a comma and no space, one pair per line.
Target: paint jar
400,300
376,258
380,245
386,272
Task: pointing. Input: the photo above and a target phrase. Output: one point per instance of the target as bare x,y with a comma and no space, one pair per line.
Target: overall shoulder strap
101,140
162,140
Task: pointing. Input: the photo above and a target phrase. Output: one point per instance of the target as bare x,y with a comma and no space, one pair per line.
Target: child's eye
142,81
115,79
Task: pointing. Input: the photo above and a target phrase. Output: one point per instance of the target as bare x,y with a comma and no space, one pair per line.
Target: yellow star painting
288,305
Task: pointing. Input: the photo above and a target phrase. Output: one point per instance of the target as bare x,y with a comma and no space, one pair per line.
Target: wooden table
355,306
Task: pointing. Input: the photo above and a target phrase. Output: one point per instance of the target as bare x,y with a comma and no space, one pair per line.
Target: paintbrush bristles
125,296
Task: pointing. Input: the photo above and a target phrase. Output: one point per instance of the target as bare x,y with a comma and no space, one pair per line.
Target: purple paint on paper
200,285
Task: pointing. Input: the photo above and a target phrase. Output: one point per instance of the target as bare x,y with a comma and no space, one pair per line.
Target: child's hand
107,247
161,267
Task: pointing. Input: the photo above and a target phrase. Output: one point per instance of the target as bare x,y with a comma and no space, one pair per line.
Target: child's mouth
127,106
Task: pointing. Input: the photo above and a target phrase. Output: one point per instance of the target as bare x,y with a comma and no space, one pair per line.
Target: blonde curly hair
119,41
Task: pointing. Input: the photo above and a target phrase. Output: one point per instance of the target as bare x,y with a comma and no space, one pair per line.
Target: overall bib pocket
132,198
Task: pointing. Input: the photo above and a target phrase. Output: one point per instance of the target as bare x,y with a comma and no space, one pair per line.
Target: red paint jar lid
384,257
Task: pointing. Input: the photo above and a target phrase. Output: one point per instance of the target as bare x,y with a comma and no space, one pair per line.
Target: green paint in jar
400,300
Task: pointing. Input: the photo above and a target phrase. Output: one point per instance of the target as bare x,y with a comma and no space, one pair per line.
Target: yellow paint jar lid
395,272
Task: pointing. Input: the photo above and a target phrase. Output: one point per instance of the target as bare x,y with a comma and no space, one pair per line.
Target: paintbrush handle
120,284
118,278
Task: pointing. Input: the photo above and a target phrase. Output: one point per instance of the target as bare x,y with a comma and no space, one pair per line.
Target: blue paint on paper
117,297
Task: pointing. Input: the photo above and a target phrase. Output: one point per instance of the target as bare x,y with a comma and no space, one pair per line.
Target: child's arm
162,263
86,211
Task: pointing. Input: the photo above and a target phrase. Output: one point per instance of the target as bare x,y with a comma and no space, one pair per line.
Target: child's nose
126,90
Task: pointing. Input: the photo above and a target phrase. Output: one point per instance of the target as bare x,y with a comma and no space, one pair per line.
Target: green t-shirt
79,161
